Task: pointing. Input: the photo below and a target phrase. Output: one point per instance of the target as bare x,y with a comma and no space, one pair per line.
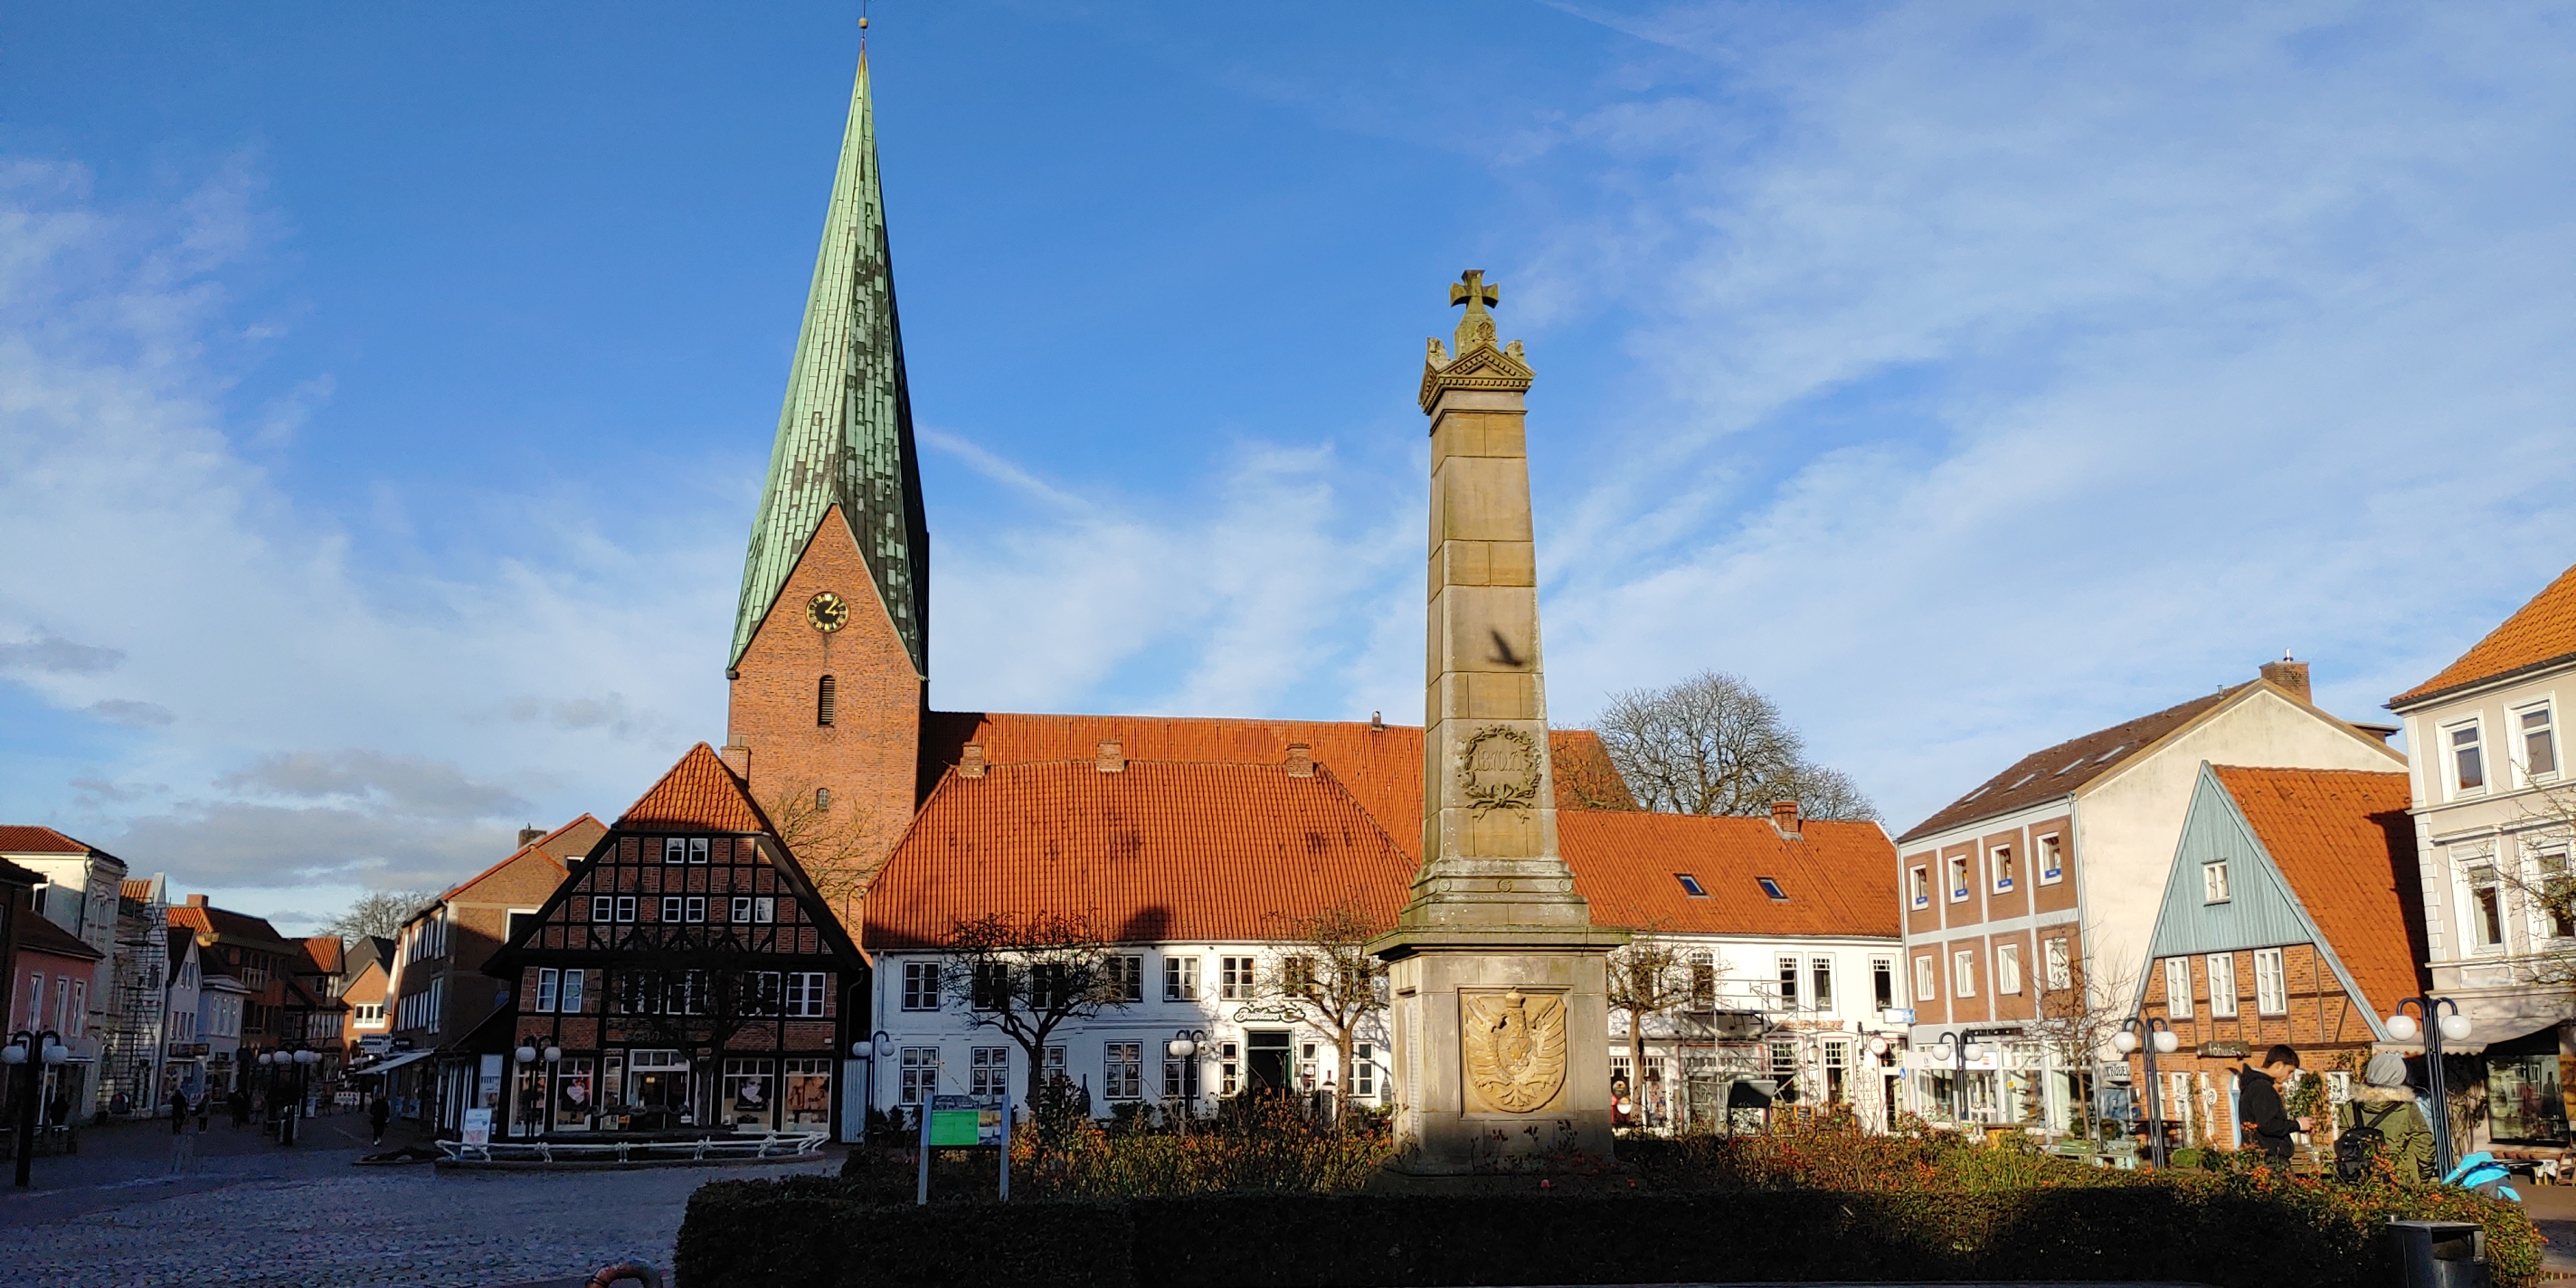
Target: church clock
827,612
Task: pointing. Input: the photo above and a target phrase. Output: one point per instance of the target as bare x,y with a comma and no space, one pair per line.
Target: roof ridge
2548,618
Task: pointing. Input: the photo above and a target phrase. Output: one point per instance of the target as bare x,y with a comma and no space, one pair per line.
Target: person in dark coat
178,1112
241,1108
379,1113
2266,1121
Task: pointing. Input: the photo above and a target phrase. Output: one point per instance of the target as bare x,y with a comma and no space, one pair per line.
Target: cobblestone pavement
312,1217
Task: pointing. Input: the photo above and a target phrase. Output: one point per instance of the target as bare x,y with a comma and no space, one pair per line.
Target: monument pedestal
1487,1024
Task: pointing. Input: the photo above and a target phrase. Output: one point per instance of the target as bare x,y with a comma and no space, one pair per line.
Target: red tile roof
138,889
2538,634
1840,878
2062,769
37,840
326,951
1161,851
700,795
217,921
2344,842
544,847
1209,852
41,935
1380,765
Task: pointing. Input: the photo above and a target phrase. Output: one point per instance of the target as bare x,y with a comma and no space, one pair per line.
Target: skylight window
1772,888
1691,885
1974,795
2072,766
2023,779
2108,756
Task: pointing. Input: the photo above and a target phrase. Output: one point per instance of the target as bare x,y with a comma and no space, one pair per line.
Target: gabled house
685,975
369,985
2290,915
2495,826
440,993
79,893
51,993
2032,897
184,1049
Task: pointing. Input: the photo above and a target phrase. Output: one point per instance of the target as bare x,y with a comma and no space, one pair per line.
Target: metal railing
706,1149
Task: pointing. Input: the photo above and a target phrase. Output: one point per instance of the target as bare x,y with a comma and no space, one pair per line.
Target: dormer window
1772,888
2213,882
1690,885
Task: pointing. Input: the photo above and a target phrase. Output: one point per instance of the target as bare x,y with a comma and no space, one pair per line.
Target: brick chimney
530,835
196,901
2289,674
1377,722
970,762
737,757
1784,819
1113,757
1301,760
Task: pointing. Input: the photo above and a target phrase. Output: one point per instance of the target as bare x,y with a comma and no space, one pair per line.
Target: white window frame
2271,982
1999,860
1884,968
1821,992
2222,985
920,985
2178,988
1963,973
2057,954
2214,887
1927,977
675,849
1180,977
1234,978
807,994
2450,753
626,906
2007,970
2483,882
549,981
919,1068
2521,738
1122,1070
1920,890
1792,996
2548,865
1363,1077
569,1001
1955,876
672,906
2052,851
603,908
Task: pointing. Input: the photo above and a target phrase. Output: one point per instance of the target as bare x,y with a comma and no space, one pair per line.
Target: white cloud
241,631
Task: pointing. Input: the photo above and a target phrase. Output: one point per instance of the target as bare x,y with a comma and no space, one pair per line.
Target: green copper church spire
845,430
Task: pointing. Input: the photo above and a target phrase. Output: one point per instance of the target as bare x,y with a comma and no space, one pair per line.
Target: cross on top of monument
1472,290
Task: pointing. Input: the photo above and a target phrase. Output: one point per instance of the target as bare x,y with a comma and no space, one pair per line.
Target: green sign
953,1128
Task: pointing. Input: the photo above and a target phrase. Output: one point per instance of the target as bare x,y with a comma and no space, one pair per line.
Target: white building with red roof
2495,823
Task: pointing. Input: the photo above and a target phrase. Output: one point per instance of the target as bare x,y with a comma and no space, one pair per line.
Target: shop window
2523,1103
809,1092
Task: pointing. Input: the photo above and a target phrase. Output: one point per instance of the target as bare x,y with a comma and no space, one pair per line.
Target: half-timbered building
685,976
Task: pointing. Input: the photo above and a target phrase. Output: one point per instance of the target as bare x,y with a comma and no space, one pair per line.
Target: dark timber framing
732,1014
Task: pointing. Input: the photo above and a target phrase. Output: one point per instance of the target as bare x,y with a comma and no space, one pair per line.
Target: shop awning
395,1062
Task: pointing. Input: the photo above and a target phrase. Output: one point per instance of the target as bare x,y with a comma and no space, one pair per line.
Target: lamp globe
2455,1027
2403,1027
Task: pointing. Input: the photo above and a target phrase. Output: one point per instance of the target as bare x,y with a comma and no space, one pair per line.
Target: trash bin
2440,1254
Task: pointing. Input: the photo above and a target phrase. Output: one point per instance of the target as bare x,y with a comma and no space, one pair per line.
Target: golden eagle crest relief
1515,1048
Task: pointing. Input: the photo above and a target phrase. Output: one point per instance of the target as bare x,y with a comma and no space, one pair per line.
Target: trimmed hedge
808,1232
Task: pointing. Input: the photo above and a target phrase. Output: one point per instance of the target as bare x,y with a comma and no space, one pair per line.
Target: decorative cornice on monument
1479,365
845,427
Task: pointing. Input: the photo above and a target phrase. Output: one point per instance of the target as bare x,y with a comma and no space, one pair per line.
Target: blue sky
384,392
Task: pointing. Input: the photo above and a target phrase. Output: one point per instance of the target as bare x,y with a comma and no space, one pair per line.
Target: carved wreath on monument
1515,1048
1498,769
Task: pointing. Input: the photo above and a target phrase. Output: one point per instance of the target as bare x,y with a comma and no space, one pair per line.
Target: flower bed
1259,1205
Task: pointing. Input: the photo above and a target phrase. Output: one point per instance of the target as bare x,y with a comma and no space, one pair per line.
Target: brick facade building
2290,916
687,974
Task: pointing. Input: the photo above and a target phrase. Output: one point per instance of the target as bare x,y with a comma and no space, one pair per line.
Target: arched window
823,695
822,798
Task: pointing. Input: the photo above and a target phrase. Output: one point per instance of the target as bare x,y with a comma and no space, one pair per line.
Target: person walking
379,1113
178,1113
2385,1105
240,1108
2266,1122
205,1106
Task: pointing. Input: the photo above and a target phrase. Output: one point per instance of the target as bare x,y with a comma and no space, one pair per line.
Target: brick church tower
830,658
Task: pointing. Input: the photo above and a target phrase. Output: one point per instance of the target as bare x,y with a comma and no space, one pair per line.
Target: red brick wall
869,757
2058,895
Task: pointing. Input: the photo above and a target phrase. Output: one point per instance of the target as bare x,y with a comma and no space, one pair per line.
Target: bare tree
2080,1008
840,849
378,914
1324,973
1713,744
1648,979
1028,976
2544,822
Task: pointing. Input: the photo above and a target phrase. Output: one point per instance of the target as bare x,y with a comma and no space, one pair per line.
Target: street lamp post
875,1051
2438,1020
1960,1051
1184,1047
37,1051
2153,1037
532,1116
282,1063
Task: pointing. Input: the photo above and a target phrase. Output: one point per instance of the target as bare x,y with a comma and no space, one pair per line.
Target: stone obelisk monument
1501,1030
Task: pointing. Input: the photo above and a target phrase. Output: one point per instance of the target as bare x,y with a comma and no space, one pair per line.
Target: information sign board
478,1126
